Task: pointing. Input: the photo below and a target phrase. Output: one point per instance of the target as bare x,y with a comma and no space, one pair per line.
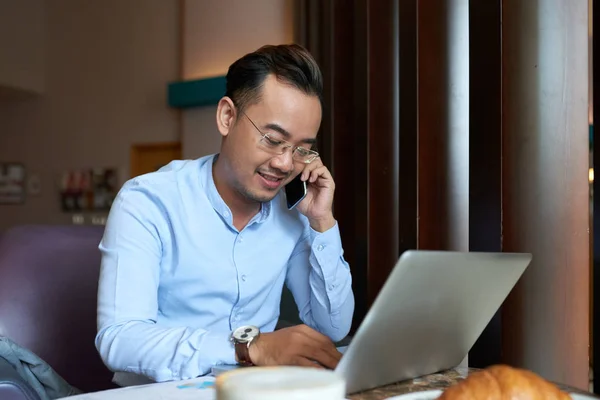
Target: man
195,255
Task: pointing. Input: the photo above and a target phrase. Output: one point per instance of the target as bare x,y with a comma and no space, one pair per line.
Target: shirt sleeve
320,281
129,338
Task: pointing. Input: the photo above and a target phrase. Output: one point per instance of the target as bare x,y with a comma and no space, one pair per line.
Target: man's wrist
243,339
253,351
322,224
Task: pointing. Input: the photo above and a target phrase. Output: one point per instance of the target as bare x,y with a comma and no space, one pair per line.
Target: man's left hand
318,203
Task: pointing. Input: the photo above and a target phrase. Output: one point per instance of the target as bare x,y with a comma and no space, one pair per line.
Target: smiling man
195,255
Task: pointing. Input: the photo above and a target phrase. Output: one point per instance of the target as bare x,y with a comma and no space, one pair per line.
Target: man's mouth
272,178
271,181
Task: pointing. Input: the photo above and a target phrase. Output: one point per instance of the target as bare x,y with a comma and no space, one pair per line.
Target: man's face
284,113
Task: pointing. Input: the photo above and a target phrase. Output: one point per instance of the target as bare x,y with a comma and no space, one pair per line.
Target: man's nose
283,162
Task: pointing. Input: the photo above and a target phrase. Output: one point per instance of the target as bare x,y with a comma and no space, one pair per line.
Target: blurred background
448,125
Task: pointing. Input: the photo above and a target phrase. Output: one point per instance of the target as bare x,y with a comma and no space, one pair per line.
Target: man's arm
129,339
320,280
318,276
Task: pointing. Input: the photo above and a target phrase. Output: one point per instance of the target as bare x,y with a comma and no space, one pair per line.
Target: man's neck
242,209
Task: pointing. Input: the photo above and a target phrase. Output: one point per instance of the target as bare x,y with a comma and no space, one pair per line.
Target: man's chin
264,196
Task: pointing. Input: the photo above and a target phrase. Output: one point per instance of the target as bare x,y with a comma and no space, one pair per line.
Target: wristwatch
242,338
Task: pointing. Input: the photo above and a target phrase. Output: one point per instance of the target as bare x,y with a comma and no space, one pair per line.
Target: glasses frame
285,144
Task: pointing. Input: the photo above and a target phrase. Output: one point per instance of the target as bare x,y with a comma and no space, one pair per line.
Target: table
203,388
430,382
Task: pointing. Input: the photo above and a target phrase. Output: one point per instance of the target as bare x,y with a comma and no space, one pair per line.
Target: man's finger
305,362
320,172
326,358
332,351
317,163
314,335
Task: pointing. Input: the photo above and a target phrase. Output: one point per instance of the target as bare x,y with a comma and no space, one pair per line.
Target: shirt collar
217,201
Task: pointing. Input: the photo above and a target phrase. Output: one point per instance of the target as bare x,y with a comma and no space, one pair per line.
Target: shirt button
320,247
244,278
226,213
331,287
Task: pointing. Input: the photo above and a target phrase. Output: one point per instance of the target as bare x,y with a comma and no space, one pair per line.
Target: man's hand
297,345
318,203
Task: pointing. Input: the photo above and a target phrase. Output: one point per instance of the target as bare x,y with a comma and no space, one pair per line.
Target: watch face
245,333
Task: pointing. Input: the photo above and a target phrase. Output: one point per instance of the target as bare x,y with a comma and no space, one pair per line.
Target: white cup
280,383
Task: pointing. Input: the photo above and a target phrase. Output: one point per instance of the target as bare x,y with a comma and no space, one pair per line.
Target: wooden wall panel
382,150
485,153
407,125
545,192
498,161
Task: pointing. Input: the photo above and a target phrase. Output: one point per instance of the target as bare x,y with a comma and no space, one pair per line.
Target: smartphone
295,191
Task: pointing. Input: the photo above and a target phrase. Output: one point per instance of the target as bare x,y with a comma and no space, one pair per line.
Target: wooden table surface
440,380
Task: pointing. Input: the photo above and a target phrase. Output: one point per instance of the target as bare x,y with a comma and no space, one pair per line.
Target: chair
48,294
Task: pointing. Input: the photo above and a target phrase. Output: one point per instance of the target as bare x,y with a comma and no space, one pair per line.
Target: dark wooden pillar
443,114
383,144
408,122
485,153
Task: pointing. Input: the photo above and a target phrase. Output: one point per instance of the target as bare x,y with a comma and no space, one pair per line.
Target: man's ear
226,115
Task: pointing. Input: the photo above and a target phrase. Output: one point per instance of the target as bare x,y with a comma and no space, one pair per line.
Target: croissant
501,382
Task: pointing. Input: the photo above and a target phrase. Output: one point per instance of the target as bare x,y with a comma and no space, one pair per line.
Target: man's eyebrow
285,133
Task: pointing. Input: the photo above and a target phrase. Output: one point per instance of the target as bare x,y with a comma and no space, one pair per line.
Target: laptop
432,308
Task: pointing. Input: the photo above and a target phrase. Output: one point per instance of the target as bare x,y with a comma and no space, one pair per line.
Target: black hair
289,63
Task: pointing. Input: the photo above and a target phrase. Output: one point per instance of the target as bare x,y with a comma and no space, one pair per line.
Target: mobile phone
295,191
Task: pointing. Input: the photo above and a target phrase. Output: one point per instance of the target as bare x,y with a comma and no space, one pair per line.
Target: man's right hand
296,345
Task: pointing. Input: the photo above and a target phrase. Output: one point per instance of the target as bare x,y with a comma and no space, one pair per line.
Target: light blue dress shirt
177,277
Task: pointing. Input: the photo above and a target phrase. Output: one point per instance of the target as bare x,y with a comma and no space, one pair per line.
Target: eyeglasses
277,146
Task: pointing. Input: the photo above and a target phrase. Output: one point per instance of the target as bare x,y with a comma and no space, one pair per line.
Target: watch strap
243,353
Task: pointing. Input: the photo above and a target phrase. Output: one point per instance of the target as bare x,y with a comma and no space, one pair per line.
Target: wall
22,45
545,189
214,35
106,69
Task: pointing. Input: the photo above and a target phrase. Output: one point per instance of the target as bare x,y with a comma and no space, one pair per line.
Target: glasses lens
304,155
271,145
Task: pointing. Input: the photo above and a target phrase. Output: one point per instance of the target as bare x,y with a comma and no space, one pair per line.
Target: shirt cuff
327,249
217,349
